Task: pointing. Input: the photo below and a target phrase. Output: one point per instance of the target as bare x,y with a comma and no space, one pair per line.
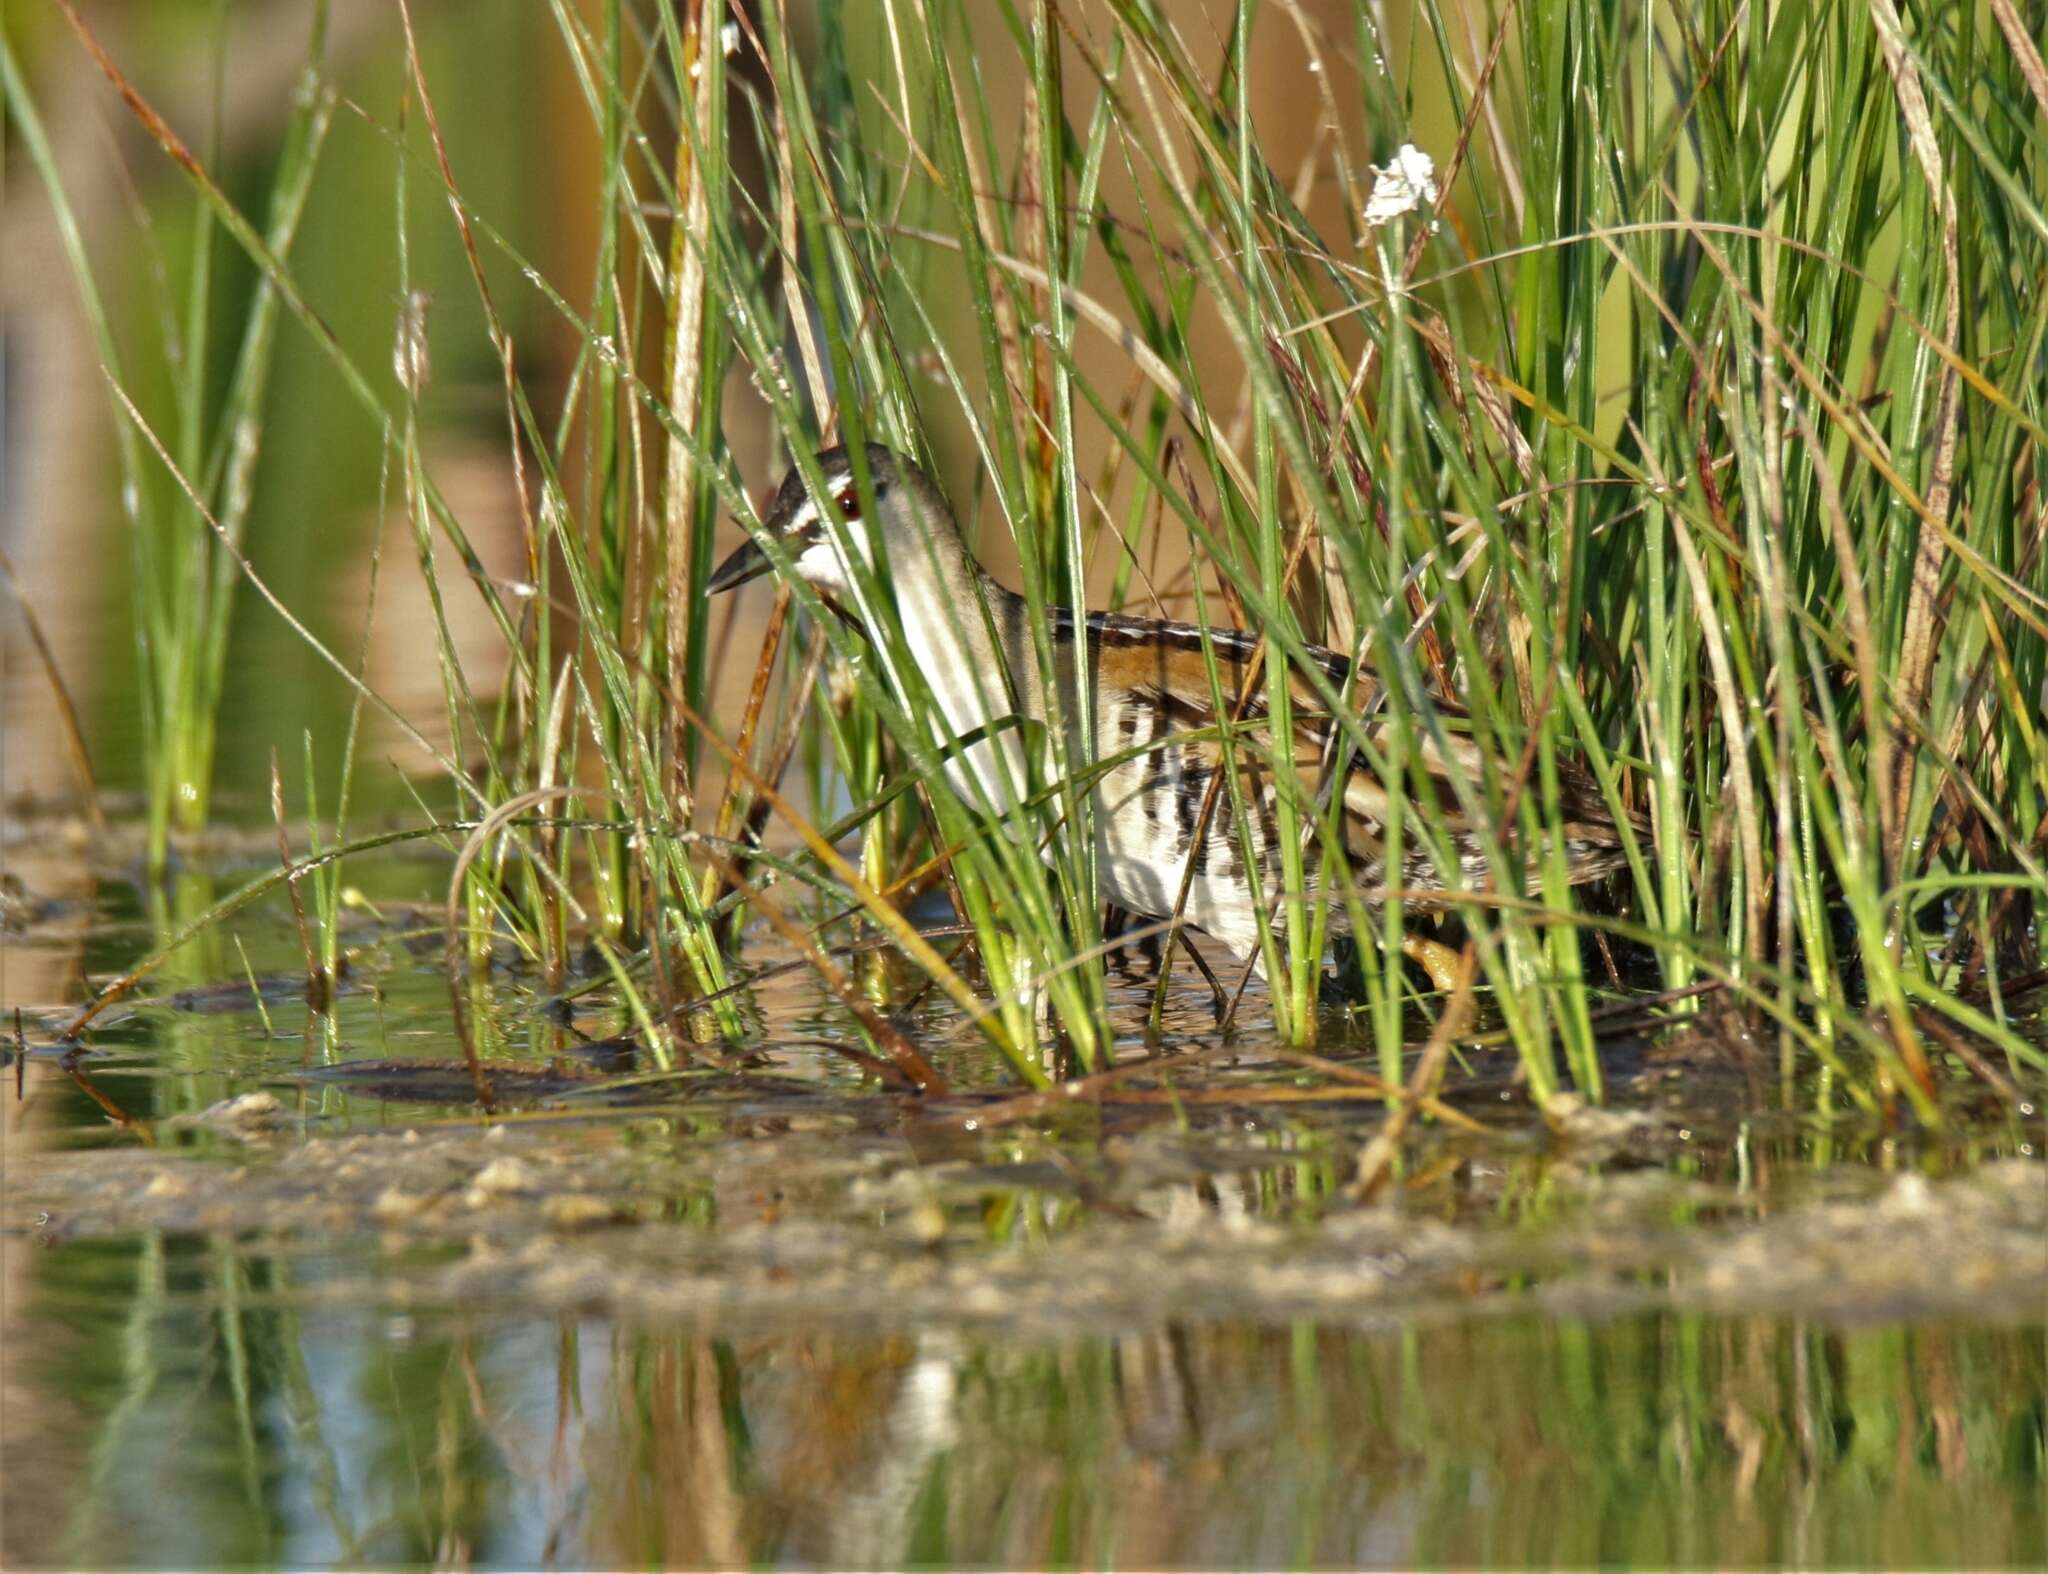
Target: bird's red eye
849,503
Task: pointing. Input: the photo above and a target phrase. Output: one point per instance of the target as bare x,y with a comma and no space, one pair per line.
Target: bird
1153,711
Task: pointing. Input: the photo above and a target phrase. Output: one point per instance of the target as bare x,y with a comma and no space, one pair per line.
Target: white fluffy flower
1407,183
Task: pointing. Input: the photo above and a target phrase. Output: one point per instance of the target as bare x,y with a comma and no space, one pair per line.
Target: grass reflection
388,1435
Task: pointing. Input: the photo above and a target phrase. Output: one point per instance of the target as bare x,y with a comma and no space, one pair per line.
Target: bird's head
910,521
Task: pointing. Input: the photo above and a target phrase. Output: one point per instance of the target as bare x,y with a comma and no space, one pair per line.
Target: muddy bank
844,1229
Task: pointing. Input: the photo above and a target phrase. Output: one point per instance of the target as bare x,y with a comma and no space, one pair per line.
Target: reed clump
1653,397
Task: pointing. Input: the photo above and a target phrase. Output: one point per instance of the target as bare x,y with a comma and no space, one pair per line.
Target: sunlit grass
1689,444
184,574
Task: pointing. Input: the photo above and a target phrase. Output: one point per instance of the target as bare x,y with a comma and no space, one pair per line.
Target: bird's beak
749,562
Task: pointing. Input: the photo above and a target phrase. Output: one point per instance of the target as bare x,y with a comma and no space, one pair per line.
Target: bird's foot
1435,958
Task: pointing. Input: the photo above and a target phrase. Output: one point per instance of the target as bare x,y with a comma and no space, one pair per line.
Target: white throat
957,660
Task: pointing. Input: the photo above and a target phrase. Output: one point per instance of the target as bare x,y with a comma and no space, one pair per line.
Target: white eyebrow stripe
805,520
802,520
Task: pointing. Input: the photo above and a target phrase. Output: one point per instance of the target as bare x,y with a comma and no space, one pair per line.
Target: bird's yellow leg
1435,958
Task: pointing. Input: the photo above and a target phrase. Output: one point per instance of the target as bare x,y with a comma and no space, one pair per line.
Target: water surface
310,1307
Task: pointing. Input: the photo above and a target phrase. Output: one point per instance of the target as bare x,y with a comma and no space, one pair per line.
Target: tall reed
184,576
1682,436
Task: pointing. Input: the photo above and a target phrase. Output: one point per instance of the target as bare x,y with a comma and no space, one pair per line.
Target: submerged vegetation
1654,396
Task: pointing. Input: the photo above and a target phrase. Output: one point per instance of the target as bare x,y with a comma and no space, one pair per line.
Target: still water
232,1417
766,1311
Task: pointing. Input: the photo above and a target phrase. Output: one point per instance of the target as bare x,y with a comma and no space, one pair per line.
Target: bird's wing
1165,664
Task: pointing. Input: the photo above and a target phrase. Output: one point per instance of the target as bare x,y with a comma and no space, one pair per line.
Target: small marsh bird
970,640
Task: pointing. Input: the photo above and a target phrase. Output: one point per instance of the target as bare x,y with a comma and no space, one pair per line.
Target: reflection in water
263,1372
216,1410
